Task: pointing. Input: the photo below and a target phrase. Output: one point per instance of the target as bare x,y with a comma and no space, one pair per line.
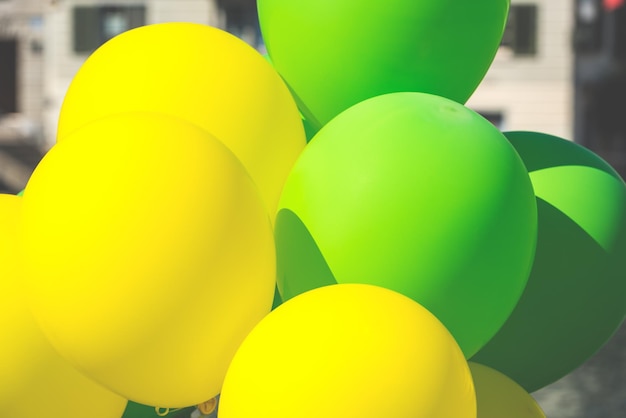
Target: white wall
535,93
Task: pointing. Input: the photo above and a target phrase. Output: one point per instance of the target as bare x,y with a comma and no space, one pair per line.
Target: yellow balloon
200,74
348,350
498,396
149,254
34,379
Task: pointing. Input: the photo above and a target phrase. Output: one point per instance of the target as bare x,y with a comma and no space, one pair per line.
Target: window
495,117
8,76
520,33
93,26
242,20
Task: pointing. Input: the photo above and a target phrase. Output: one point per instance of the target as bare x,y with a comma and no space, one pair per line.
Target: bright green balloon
576,293
336,53
418,194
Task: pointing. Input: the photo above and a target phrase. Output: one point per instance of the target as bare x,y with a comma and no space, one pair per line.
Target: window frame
521,31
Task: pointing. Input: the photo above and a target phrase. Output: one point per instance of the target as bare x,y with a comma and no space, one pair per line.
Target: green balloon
336,53
576,294
418,194
277,300
136,410
309,129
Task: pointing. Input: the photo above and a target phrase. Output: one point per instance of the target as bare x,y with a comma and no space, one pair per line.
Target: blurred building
561,69
530,83
73,29
241,19
21,84
43,43
600,79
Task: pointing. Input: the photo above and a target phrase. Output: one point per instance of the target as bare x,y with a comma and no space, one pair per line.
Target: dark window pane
520,34
86,29
495,118
526,29
136,16
93,26
8,76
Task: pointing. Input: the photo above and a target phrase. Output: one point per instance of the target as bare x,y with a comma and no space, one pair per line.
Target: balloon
149,256
276,302
309,129
498,396
207,409
348,350
418,194
36,381
135,410
334,54
203,75
576,293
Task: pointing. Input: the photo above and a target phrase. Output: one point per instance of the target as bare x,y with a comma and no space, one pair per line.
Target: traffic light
588,33
600,28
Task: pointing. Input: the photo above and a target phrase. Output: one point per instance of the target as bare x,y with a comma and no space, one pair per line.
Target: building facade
43,43
21,86
75,28
21,58
600,79
530,83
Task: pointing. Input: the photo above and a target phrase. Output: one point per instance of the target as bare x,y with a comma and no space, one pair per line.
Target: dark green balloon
336,53
576,294
136,410
418,194
277,299
309,129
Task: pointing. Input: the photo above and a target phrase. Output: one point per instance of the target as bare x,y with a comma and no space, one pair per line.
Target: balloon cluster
427,264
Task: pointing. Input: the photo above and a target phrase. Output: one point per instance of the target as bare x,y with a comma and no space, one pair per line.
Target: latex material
135,410
498,396
419,194
35,379
334,54
346,351
576,293
203,75
150,256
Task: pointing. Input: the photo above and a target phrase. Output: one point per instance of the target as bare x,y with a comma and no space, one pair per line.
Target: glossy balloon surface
35,379
419,194
203,75
346,351
149,256
334,54
497,396
576,293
